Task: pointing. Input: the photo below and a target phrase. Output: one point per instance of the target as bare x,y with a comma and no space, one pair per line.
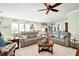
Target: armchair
8,50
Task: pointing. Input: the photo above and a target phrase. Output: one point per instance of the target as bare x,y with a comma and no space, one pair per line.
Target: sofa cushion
24,36
39,35
57,36
32,35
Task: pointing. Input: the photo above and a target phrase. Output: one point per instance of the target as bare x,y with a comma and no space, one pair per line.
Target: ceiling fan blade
47,12
55,10
55,5
42,9
46,5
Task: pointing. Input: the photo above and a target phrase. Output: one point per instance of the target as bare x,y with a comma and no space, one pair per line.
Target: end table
17,41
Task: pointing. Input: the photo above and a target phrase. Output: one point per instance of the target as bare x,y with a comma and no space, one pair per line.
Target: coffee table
42,46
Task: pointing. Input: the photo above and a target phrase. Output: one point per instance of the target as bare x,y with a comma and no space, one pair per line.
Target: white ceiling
29,11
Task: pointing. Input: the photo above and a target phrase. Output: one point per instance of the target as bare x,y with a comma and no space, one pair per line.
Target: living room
23,26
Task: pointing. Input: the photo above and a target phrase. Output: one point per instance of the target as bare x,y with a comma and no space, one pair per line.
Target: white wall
73,20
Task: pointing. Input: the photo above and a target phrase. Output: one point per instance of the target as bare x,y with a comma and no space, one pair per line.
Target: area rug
32,50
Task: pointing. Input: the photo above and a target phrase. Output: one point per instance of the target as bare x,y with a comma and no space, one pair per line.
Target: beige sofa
29,38
64,41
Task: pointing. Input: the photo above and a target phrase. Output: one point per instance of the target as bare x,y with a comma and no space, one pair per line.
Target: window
27,27
21,27
14,28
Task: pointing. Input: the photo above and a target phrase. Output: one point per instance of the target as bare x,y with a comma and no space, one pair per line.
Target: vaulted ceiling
29,11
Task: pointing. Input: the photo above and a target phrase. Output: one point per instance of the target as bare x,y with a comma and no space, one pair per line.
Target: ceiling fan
50,7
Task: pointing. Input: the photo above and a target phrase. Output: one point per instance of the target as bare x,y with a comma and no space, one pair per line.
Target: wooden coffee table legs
77,53
49,49
45,46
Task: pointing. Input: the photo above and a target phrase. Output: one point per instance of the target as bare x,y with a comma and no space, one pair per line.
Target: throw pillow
57,36
62,36
38,35
2,42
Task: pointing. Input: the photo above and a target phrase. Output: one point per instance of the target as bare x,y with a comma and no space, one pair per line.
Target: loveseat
29,38
62,38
